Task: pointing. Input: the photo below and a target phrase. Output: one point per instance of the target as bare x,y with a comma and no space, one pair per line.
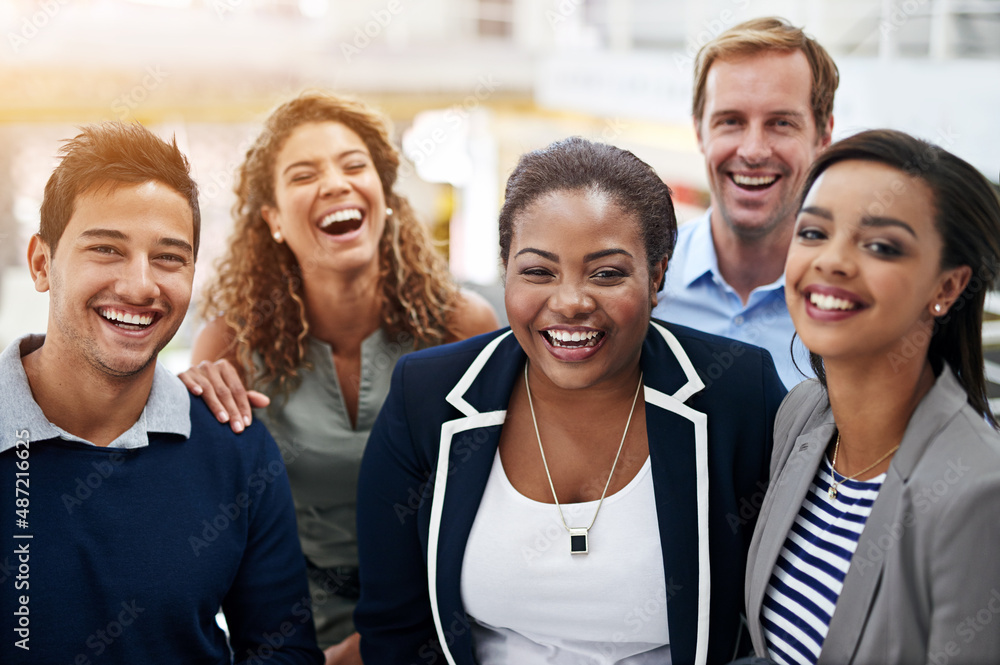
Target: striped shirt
809,574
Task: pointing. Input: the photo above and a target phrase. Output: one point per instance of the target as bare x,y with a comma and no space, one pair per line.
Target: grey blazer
924,583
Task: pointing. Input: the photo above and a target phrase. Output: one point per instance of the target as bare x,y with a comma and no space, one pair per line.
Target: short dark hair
111,154
967,216
766,35
578,164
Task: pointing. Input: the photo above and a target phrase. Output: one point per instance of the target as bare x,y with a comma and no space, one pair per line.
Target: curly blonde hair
258,286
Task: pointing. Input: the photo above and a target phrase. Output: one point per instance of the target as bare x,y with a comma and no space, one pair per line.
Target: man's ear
39,262
697,133
826,133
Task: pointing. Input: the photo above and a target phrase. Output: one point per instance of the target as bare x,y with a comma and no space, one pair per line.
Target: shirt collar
699,254
701,259
167,408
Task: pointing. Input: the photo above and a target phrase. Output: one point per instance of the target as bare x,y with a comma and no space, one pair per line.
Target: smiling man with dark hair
134,515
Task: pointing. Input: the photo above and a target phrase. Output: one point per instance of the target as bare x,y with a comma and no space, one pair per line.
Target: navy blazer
430,454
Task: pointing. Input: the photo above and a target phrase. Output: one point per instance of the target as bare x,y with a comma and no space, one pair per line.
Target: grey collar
167,408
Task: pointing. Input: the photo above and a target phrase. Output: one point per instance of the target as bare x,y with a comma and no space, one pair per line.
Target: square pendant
578,543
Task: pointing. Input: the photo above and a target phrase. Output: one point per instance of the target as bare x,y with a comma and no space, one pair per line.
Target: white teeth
124,317
830,303
562,337
752,181
349,214
576,336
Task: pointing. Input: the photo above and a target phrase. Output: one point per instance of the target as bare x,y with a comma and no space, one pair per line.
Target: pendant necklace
578,536
832,492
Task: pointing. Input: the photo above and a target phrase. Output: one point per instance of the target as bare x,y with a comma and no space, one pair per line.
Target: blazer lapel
784,499
863,579
678,451
465,456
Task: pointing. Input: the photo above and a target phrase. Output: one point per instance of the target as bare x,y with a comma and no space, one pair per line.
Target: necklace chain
833,467
552,486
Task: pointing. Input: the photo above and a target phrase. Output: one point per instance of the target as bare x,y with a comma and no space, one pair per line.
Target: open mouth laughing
565,339
342,221
754,183
126,320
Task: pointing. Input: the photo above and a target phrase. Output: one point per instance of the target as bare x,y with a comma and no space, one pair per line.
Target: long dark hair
967,216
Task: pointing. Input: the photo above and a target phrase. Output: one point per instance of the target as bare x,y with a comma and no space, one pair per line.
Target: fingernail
237,426
247,421
198,390
223,416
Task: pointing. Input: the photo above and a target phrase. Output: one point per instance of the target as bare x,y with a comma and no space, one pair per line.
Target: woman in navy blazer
586,231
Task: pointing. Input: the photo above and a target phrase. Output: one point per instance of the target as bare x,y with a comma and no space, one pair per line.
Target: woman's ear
271,218
656,280
950,288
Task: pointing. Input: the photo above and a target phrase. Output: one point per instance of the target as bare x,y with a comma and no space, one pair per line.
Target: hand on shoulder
217,379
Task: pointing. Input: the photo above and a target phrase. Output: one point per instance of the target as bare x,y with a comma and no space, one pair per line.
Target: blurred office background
469,85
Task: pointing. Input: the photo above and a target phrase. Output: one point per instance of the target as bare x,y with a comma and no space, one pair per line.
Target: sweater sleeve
393,614
267,607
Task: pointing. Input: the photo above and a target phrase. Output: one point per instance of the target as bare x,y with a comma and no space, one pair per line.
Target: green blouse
322,451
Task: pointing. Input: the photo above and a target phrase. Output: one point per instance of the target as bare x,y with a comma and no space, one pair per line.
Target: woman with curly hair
328,279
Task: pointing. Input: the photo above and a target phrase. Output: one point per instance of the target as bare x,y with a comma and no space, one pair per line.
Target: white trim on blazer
474,419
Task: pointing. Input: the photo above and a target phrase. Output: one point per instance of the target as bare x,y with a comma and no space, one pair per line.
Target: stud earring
278,238
937,308
388,212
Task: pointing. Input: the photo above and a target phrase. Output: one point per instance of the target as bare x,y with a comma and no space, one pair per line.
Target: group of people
616,477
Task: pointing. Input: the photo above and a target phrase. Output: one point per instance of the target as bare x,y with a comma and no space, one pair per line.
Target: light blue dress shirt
694,294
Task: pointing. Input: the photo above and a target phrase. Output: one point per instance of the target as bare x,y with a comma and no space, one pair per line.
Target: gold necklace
579,542
833,467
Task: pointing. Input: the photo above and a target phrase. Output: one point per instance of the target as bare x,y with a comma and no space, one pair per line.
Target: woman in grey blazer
878,540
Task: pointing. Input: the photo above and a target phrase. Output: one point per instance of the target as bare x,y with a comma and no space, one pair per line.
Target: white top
531,601
810,571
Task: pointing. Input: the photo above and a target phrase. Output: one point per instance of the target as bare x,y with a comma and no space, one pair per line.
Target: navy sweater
132,552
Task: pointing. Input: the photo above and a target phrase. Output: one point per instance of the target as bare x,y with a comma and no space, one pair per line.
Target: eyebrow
112,234
873,221
540,252
788,114
774,114
593,256
819,212
312,162
867,221
176,242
